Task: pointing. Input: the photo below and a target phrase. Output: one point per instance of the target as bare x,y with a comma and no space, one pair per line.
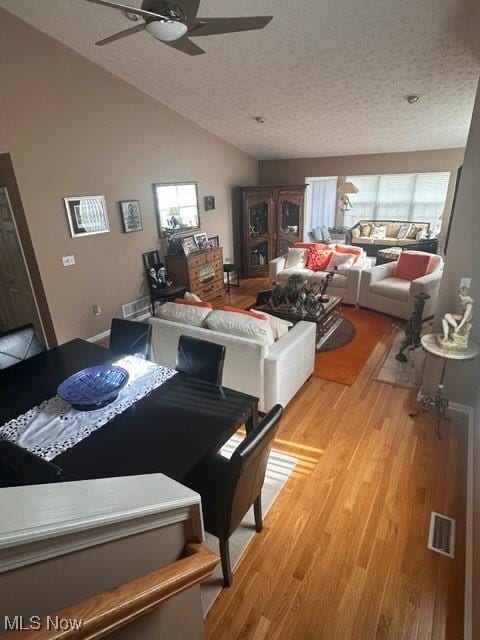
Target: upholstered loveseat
345,282
381,290
273,373
374,235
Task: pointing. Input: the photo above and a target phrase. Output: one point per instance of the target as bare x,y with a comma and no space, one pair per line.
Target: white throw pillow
296,258
278,326
239,324
341,261
403,231
421,233
379,232
183,313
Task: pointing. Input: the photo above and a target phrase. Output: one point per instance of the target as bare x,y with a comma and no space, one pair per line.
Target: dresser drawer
213,255
196,261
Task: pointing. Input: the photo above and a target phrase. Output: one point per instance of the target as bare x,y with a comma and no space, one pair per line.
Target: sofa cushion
184,313
194,303
412,265
238,324
363,240
392,229
296,258
252,314
356,232
390,242
318,258
278,326
366,229
403,231
379,231
347,248
192,297
340,260
394,288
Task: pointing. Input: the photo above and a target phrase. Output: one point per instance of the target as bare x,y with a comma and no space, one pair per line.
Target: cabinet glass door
290,217
258,246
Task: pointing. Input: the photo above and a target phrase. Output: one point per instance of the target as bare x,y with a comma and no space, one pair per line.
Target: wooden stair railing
103,614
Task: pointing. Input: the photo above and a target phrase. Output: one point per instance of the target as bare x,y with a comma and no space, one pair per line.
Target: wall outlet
466,282
97,310
68,261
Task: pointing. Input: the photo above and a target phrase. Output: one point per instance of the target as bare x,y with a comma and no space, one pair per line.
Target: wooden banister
105,613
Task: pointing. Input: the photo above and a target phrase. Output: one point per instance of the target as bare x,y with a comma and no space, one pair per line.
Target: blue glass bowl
93,387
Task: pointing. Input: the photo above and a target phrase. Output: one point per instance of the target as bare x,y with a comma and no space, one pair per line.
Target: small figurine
458,326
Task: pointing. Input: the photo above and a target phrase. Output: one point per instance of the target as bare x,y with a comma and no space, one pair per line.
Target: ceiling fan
173,21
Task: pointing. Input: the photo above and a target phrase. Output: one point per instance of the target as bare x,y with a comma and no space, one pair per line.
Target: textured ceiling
329,76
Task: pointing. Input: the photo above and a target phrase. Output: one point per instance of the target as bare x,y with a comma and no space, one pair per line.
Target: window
405,196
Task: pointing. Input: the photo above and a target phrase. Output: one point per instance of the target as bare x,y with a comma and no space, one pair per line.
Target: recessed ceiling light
412,98
260,119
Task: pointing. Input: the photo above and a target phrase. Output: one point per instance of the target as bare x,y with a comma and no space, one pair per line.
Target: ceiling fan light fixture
166,30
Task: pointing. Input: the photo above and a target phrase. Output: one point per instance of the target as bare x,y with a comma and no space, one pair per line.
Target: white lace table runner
54,426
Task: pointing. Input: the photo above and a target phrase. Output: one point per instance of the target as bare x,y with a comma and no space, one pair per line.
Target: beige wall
296,170
74,129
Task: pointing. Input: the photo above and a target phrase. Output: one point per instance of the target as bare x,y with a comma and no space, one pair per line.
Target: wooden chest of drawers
200,272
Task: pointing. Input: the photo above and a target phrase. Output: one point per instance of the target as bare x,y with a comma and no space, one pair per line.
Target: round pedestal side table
438,403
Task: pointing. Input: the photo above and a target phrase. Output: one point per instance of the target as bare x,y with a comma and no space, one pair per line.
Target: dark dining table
168,431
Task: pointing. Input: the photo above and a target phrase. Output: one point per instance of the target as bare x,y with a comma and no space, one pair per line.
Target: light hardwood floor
344,550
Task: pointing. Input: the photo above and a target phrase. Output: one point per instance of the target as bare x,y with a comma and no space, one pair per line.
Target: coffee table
328,321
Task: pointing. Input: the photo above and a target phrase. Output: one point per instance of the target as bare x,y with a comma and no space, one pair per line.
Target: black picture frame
215,240
131,216
209,203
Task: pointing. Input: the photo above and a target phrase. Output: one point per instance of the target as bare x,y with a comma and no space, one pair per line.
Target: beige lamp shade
348,187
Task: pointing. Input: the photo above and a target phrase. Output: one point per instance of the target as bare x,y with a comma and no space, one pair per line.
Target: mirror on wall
177,207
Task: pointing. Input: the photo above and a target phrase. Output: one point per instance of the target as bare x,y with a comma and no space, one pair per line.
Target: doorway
18,305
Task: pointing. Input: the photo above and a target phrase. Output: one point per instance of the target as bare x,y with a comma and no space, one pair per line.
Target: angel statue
458,326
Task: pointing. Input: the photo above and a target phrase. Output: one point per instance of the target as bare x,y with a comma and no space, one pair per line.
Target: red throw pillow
310,245
412,265
345,248
206,305
318,259
244,311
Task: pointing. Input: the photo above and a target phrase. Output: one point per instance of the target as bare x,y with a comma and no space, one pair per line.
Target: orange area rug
345,363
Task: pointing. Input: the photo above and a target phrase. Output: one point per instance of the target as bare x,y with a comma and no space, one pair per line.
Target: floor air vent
441,537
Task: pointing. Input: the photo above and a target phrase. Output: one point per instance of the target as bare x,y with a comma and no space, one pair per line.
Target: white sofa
273,374
345,283
381,291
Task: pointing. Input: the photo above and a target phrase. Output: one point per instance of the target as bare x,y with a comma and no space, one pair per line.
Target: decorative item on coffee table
299,301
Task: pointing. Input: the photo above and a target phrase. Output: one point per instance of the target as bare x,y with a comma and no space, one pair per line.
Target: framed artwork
209,203
87,215
189,245
214,241
131,216
202,240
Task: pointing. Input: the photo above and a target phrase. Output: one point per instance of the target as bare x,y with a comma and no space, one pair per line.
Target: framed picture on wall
209,203
87,215
131,216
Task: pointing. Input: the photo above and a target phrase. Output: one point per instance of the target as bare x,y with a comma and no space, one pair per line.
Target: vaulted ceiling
329,76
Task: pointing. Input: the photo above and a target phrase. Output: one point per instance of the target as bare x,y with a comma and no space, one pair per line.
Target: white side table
438,403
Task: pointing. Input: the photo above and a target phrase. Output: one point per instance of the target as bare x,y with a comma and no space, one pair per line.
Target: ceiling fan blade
126,7
185,45
215,26
121,34
190,8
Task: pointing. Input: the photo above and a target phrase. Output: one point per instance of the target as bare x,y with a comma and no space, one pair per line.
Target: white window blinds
405,196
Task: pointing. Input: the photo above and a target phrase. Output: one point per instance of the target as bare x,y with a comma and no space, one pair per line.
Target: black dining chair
200,359
21,467
19,344
130,337
228,488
